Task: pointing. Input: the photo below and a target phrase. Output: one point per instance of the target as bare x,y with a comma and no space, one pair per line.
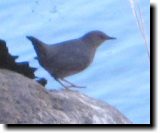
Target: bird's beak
111,38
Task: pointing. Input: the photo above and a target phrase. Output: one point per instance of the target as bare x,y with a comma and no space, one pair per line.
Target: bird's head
96,37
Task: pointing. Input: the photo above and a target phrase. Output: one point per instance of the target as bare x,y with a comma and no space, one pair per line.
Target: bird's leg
71,84
58,80
62,84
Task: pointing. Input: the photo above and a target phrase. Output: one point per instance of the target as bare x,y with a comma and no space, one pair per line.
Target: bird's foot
71,84
75,86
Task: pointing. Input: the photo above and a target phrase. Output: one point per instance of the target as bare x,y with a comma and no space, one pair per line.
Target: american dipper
69,57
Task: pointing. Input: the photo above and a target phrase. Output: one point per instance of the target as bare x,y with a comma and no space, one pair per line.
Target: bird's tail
34,40
31,38
38,45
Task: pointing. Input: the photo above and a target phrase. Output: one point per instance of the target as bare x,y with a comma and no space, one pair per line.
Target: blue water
119,74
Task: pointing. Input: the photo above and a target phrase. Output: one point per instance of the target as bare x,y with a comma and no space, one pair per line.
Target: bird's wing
68,57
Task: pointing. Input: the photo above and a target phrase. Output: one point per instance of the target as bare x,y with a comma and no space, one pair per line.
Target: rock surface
24,101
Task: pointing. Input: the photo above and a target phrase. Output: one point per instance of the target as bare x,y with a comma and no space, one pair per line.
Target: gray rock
24,101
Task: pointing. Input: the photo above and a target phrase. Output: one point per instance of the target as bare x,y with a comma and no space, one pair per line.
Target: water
119,74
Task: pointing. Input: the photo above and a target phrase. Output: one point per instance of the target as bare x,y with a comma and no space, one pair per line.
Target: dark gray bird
69,57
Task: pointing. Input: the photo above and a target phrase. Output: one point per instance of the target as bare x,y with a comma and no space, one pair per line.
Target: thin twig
138,15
